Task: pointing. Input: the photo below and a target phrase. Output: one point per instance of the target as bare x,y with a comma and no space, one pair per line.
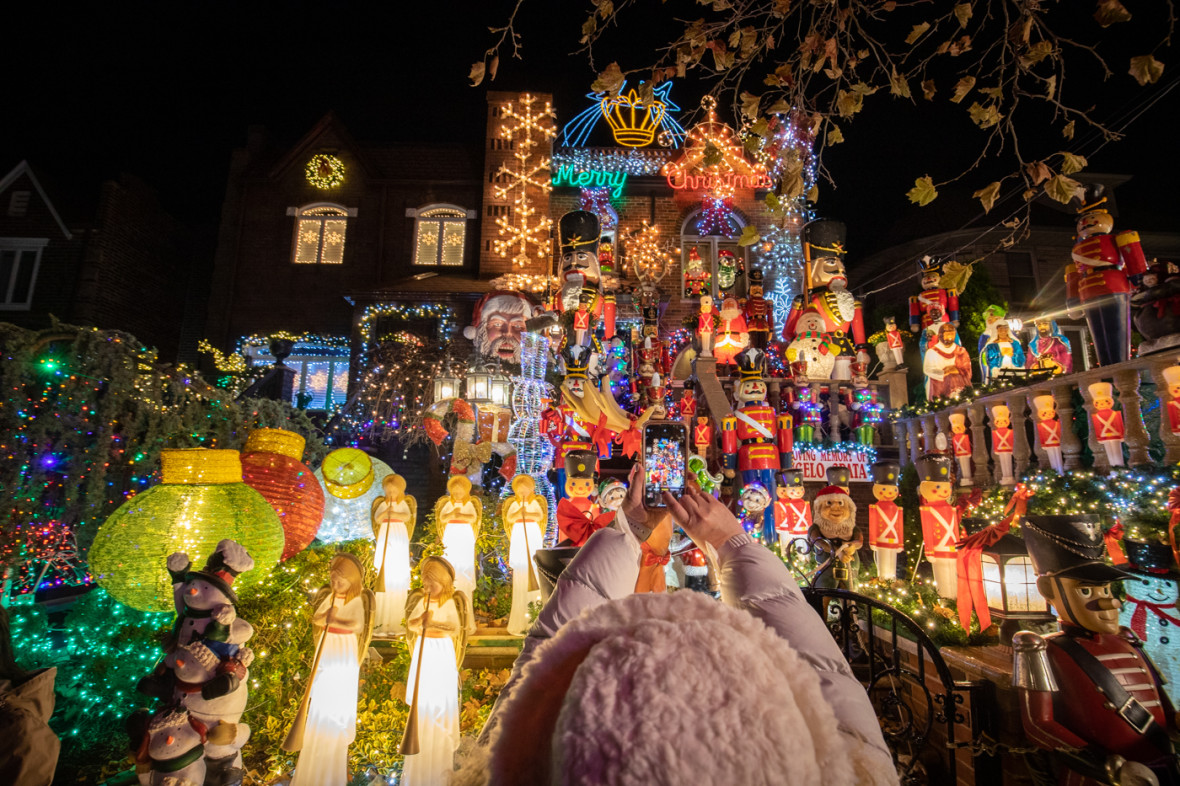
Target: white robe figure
458,540
438,693
391,560
521,524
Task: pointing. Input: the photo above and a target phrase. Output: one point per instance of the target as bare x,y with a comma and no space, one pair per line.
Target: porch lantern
501,388
479,385
446,385
1010,585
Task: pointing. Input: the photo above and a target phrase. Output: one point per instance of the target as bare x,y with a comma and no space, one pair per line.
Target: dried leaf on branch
1146,69
987,195
923,192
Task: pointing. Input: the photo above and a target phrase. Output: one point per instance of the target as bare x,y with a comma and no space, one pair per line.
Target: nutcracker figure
886,519
1089,694
702,435
1098,280
1002,443
708,320
840,477
792,514
1049,431
649,308
581,287
566,426
1172,380
827,297
935,305
1107,422
961,446
940,521
696,278
577,516
894,341
946,364
755,441
1049,348
758,312
809,428
686,407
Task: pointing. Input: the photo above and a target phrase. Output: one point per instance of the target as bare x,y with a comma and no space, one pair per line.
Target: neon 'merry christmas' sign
713,161
569,176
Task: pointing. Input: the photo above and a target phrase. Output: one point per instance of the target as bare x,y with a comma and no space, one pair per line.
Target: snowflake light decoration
527,128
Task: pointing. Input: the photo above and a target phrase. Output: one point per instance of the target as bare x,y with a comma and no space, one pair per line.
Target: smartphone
665,451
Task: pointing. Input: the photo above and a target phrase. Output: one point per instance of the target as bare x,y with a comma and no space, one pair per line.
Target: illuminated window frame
440,217
689,238
303,354
25,254
320,213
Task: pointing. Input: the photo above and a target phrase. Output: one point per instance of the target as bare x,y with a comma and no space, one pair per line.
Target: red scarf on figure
969,565
1139,615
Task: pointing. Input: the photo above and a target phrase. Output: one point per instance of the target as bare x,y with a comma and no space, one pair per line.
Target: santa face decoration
499,322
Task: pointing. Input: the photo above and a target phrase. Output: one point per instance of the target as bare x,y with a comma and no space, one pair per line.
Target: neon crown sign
633,122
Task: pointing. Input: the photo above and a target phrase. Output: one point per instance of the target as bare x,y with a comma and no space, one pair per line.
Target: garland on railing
963,397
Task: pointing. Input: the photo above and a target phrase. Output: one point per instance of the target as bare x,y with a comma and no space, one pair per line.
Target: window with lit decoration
19,261
440,234
321,370
711,261
320,230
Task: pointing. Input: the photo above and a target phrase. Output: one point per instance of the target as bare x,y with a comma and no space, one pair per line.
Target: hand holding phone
665,455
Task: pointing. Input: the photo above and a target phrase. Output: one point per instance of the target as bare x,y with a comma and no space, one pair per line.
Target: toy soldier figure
1089,695
792,514
961,446
581,292
758,313
702,435
1003,442
886,519
708,320
755,441
1098,280
894,341
565,428
827,297
934,305
1049,431
940,521
839,476
1107,422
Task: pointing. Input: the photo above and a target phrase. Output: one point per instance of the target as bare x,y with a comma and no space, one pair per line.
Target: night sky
165,92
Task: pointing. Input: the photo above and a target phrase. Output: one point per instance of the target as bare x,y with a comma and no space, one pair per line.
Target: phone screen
664,449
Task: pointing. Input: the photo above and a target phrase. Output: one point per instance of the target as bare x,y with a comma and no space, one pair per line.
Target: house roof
23,168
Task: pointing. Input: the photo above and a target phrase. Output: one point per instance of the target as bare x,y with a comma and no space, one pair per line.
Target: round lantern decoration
351,484
200,500
325,171
272,466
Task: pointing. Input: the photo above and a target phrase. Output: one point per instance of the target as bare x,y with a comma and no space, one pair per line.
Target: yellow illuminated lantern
200,500
352,481
272,466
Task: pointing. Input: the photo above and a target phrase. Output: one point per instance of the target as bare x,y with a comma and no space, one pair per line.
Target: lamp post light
1010,585
446,385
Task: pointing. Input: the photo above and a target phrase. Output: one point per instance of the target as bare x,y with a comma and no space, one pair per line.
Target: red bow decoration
1111,540
579,525
969,563
629,439
651,558
1139,615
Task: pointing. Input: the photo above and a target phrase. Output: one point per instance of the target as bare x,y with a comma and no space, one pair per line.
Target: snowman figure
206,606
811,349
1150,608
173,749
213,690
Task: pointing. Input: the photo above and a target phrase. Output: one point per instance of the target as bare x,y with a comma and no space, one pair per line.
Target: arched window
440,235
712,264
319,233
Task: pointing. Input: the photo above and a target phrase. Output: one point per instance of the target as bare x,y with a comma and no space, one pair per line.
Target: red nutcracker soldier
1049,431
702,435
792,513
1172,380
562,425
686,407
894,341
578,517
961,446
708,320
827,297
886,519
758,312
940,521
1089,694
1107,422
755,441
1002,443
934,305
581,290
1098,280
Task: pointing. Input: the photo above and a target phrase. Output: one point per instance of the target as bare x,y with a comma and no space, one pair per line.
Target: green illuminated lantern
200,500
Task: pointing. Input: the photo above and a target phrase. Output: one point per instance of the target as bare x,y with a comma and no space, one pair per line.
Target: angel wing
478,515
412,524
412,601
365,635
439,525
504,518
466,625
373,515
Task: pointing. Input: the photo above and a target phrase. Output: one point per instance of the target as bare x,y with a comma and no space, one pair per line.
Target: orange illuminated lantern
272,466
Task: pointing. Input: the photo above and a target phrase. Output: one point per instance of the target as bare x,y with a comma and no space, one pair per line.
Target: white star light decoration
527,127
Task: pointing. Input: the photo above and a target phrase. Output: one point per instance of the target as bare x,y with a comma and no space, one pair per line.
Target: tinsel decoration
272,465
200,500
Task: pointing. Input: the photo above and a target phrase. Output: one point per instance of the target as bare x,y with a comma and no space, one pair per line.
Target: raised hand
702,517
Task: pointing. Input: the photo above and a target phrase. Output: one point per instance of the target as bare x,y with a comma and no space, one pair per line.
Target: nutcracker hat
1172,376
577,361
755,275
1150,558
886,473
1044,401
1092,200
791,477
223,566
580,464
825,236
838,475
751,363
957,419
890,322
1101,390
935,467
929,264
579,229
1069,547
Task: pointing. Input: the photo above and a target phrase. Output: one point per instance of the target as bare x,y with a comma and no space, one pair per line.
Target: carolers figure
1088,694
457,517
394,516
1107,422
961,446
1002,442
525,515
792,514
886,519
1049,431
940,521
755,441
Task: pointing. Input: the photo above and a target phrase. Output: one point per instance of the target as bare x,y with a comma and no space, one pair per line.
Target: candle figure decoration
1172,380
1089,694
961,447
524,514
940,521
835,539
1107,422
325,724
458,516
394,517
792,513
1049,431
438,623
886,519
1002,443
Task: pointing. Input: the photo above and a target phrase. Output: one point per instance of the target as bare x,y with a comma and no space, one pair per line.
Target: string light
527,129
324,171
634,123
534,452
650,257
637,162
